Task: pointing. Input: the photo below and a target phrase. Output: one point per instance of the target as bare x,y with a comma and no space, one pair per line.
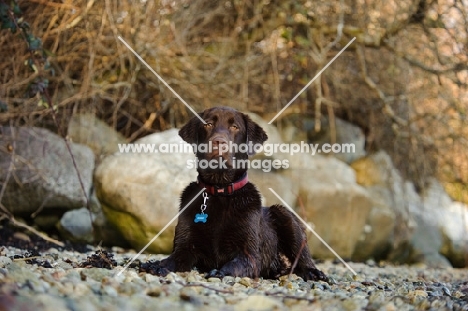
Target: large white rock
450,218
139,192
331,200
280,183
389,224
425,227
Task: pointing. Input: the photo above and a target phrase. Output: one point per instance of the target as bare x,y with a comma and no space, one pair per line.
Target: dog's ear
189,132
255,133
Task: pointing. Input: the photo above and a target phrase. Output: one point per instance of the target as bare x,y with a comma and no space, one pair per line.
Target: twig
457,67
386,107
274,64
290,297
145,127
205,286
28,258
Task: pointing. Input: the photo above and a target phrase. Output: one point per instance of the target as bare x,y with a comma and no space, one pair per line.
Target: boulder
139,192
331,200
282,185
439,212
77,225
376,170
389,224
376,239
89,226
40,172
426,227
298,127
88,130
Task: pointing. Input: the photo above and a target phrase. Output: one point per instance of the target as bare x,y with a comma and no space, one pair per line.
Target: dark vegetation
32,243
100,259
403,81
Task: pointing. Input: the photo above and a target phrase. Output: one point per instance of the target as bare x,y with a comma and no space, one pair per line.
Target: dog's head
227,137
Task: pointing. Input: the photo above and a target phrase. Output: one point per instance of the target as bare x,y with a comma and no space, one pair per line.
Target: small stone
81,289
187,294
350,305
417,293
4,261
214,280
67,289
154,291
291,302
425,304
238,286
109,291
332,280
317,285
417,296
247,282
377,297
3,251
96,274
174,278
446,291
149,278
390,306
22,236
194,276
258,303
232,300
229,280
402,291
438,304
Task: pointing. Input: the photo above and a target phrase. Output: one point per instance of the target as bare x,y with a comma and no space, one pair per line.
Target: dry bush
403,80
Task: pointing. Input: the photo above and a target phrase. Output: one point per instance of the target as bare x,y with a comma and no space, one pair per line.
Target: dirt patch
100,259
22,239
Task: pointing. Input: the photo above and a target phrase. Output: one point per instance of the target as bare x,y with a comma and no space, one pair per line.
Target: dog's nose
218,140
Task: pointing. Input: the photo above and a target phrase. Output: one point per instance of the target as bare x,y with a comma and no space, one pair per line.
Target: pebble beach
58,280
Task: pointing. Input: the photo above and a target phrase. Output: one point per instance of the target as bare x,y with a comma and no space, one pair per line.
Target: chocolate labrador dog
226,231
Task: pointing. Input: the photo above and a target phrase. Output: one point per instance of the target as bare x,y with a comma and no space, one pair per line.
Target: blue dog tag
200,218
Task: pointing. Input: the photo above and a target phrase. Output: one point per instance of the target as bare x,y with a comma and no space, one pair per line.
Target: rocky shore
67,280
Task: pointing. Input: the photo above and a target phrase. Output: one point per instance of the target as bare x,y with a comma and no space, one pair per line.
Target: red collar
226,190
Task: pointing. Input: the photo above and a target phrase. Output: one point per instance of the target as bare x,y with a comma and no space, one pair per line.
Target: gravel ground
67,280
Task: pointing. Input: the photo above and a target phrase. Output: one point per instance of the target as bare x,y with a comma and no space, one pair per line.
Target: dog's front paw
215,273
154,267
314,274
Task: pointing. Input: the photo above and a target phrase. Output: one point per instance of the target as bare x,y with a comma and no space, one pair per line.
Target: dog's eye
208,124
234,127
